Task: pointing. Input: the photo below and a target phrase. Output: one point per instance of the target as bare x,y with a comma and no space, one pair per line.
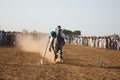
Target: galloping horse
58,45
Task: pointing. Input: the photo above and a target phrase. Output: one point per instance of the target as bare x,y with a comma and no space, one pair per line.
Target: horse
58,45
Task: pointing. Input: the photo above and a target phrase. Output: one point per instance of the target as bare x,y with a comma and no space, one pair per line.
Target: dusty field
79,63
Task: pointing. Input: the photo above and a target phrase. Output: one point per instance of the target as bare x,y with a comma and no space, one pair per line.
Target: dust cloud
34,43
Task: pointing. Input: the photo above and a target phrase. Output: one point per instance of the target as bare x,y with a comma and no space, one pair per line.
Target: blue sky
92,17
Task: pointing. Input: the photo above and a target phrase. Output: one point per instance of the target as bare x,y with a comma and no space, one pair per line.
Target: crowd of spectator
107,42
7,38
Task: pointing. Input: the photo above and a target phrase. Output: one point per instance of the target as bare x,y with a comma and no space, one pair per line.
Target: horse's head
58,31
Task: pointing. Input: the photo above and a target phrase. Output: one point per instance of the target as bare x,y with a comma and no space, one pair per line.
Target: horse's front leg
55,53
61,47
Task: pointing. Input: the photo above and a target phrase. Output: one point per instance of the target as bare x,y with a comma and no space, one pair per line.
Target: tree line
69,32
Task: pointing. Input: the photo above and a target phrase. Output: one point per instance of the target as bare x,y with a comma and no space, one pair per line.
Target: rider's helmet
53,33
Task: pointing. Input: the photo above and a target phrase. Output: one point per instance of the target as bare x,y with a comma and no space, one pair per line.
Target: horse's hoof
56,56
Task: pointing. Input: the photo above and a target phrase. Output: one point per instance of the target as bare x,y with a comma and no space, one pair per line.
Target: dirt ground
79,63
